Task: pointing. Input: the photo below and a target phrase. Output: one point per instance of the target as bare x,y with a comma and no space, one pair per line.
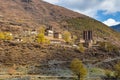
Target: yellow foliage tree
6,36
78,68
117,70
42,29
40,38
81,48
74,39
67,36
2,36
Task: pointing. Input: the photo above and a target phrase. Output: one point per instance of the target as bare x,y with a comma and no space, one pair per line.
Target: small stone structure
49,32
58,35
55,37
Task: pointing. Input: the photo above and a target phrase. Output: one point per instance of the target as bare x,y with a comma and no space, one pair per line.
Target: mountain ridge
116,27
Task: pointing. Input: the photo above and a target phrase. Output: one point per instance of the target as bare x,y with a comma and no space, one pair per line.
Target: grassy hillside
78,25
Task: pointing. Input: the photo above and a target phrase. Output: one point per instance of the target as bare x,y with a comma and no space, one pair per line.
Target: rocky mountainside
19,15
116,27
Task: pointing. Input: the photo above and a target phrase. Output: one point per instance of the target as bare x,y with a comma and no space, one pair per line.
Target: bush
106,46
117,70
108,73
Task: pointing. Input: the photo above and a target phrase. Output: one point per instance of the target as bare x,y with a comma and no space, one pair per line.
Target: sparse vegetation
107,46
109,73
117,70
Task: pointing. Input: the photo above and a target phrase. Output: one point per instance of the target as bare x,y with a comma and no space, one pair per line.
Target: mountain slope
116,27
33,14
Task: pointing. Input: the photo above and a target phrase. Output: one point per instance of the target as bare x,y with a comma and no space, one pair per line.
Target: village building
57,35
18,39
49,32
82,40
88,37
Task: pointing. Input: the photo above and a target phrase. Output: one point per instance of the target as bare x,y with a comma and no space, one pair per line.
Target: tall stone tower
88,37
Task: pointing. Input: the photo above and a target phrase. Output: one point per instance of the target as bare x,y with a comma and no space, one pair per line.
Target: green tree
78,68
81,48
67,36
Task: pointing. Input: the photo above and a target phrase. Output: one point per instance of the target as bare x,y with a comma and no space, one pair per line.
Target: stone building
88,38
58,35
49,32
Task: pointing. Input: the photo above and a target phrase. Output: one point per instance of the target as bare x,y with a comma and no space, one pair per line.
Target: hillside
116,27
20,15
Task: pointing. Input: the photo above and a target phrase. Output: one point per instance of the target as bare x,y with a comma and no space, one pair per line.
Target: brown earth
33,53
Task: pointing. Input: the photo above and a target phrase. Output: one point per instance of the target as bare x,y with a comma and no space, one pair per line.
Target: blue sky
106,11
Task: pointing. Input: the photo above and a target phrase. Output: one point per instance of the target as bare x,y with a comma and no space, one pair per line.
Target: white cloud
52,1
111,22
89,7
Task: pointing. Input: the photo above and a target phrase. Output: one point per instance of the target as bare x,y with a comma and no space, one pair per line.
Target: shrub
117,70
107,46
108,73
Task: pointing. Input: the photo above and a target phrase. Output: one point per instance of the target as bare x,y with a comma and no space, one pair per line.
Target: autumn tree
2,36
81,48
42,29
78,68
74,37
41,36
67,36
6,36
117,70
